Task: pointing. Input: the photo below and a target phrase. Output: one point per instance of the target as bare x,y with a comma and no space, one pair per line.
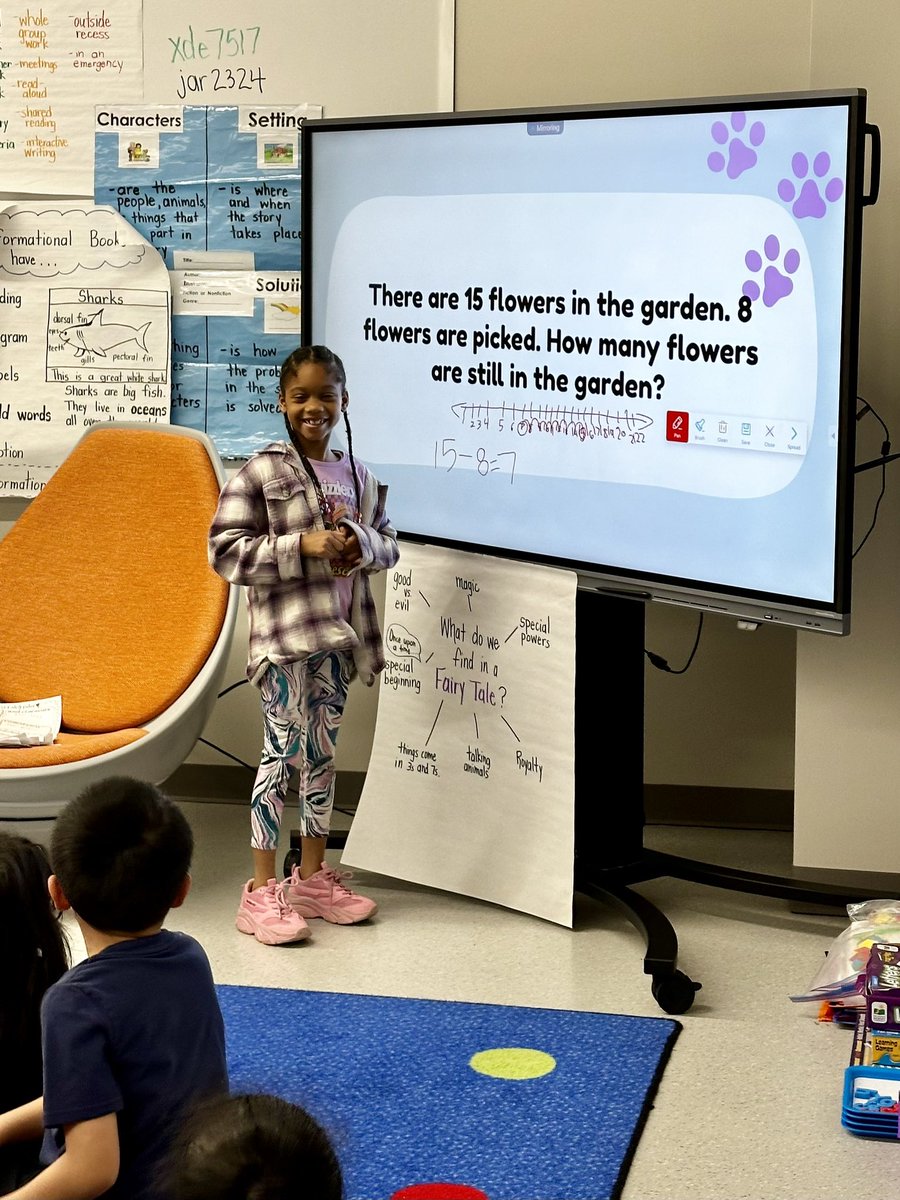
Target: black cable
231,688
885,451
347,812
869,408
874,511
227,754
662,665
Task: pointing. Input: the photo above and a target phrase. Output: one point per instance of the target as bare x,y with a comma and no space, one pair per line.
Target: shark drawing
97,336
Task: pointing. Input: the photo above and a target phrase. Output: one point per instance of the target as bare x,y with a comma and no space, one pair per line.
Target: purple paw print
776,284
741,157
809,202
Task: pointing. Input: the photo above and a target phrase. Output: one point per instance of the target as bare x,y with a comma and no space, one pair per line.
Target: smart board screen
620,339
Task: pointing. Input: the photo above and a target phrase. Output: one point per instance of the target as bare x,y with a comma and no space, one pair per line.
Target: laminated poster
472,766
85,333
55,60
216,190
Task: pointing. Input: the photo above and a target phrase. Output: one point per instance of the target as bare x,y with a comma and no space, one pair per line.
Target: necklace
320,495
338,567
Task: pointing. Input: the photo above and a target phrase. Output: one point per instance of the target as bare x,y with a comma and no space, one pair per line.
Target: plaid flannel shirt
254,541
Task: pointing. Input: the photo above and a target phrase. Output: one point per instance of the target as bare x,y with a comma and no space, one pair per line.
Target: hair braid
353,470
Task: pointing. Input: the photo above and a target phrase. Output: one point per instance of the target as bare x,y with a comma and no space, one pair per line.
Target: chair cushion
68,748
107,598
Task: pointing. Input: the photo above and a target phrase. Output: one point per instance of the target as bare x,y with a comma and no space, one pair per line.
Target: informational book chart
216,190
85,333
472,767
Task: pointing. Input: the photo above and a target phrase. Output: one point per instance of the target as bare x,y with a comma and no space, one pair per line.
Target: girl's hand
351,553
323,543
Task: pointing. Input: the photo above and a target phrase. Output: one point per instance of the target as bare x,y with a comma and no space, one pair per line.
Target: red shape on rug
440,1191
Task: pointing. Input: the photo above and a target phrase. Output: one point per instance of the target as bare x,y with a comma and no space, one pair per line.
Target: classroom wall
519,53
848,710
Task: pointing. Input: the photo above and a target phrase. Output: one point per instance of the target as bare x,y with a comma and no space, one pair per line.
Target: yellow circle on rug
513,1062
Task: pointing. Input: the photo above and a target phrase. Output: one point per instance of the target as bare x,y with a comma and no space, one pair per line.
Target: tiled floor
749,1105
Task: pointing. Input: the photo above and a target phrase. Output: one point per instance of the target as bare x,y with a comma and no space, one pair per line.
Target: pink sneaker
324,895
265,913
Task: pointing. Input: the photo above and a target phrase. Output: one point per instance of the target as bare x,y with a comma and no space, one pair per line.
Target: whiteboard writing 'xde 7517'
354,57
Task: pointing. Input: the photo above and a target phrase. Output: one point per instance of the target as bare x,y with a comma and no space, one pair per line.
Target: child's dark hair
326,358
252,1147
33,953
121,851
314,354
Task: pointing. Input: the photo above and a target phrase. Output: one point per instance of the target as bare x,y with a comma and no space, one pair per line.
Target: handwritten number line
547,418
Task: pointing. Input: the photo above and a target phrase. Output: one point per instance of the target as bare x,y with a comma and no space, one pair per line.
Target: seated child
133,1033
34,954
259,1146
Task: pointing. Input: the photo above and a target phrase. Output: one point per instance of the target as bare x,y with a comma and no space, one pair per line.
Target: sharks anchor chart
85,333
472,766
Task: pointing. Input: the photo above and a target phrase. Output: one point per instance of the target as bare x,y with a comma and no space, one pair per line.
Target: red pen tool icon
676,426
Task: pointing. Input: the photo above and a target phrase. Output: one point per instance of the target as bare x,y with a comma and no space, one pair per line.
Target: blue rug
434,1100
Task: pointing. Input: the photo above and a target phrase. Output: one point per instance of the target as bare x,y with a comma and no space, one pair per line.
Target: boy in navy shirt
134,1033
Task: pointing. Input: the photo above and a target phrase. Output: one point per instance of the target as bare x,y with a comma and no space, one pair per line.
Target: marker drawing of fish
97,336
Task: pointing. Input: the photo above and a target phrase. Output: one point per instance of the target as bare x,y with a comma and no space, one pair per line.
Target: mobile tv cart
609,809
610,854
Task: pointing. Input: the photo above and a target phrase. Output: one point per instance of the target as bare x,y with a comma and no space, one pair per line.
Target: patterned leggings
303,703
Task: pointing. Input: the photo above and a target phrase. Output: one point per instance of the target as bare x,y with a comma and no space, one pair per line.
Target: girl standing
303,526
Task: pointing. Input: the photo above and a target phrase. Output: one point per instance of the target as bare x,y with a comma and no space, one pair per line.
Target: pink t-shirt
336,479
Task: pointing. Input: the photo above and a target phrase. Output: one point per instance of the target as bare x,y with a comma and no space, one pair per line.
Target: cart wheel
674,993
292,858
